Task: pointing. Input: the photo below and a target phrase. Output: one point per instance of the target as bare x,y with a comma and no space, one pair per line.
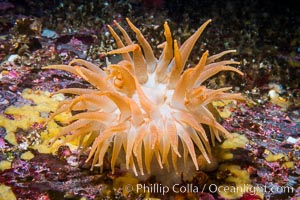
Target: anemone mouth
150,108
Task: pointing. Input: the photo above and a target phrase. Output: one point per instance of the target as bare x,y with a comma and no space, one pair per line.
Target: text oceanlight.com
212,188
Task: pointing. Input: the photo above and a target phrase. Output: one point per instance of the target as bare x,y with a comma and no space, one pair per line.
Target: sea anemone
150,107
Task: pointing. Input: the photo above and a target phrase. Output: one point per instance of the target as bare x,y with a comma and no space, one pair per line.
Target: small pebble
47,33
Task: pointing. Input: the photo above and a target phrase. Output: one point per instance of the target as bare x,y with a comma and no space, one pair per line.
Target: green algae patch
275,157
127,182
34,114
289,165
224,107
236,141
236,182
27,155
6,193
224,151
4,164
